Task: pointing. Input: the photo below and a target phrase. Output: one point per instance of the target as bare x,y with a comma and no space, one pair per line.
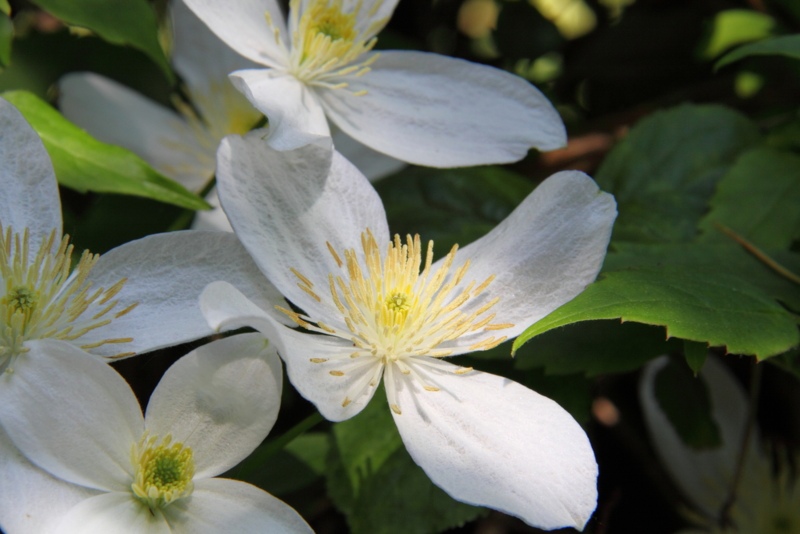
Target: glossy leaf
85,164
785,45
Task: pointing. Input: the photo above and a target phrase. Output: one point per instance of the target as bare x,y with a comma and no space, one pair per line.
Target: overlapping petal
220,400
489,441
245,28
87,439
112,513
414,110
165,274
285,206
30,194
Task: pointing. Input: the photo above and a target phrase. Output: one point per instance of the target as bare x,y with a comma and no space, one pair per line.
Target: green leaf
736,26
450,205
685,401
758,199
5,8
297,466
6,38
594,348
122,22
377,485
718,295
785,45
85,164
695,354
664,172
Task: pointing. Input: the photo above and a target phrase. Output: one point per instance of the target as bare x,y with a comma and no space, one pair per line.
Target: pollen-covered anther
163,472
43,296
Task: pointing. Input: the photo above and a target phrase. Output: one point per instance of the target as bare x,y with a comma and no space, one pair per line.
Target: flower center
43,297
163,471
327,42
399,316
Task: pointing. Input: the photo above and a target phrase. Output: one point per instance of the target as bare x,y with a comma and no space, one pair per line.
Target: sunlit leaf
124,22
736,26
785,45
85,164
664,172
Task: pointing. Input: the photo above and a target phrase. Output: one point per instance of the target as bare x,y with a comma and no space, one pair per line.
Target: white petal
165,274
113,513
295,116
704,476
120,116
30,499
30,194
543,254
245,28
228,308
489,441
372,164
440,111
204,62
72,415
213,220
286,205
221,505
220,399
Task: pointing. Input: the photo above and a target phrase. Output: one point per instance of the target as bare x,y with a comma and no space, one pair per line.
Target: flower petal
120,116
295,116
543,254
30,499
165,274
440,111
489,441
204,62
222,505
30,194
213,220
245,28
319,367
372,164
704,476
72,415
285,206
220,399
113,513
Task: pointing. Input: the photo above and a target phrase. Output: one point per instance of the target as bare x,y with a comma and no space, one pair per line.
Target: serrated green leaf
6,38
85,164
758,199
785,45
123,22
685,401
695,355
664,172
733,27
716,295
450,205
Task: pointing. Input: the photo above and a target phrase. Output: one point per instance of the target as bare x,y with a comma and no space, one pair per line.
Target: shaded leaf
123,22
785,45
6,37
695,354
85,164
664,172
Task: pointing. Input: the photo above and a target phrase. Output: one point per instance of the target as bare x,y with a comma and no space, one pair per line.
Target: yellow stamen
163,471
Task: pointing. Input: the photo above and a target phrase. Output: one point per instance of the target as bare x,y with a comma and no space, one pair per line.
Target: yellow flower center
163,471
327,42
399,316
43,297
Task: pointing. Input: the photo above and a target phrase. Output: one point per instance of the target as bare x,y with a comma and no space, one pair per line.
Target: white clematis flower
136,298
766,501
155,473
182,144
417,107
318,230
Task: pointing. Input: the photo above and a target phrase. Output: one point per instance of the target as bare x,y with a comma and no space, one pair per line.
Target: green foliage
377,485
6,34
736,26
695,354
124,22
685,401
785,45
85,164
664,172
